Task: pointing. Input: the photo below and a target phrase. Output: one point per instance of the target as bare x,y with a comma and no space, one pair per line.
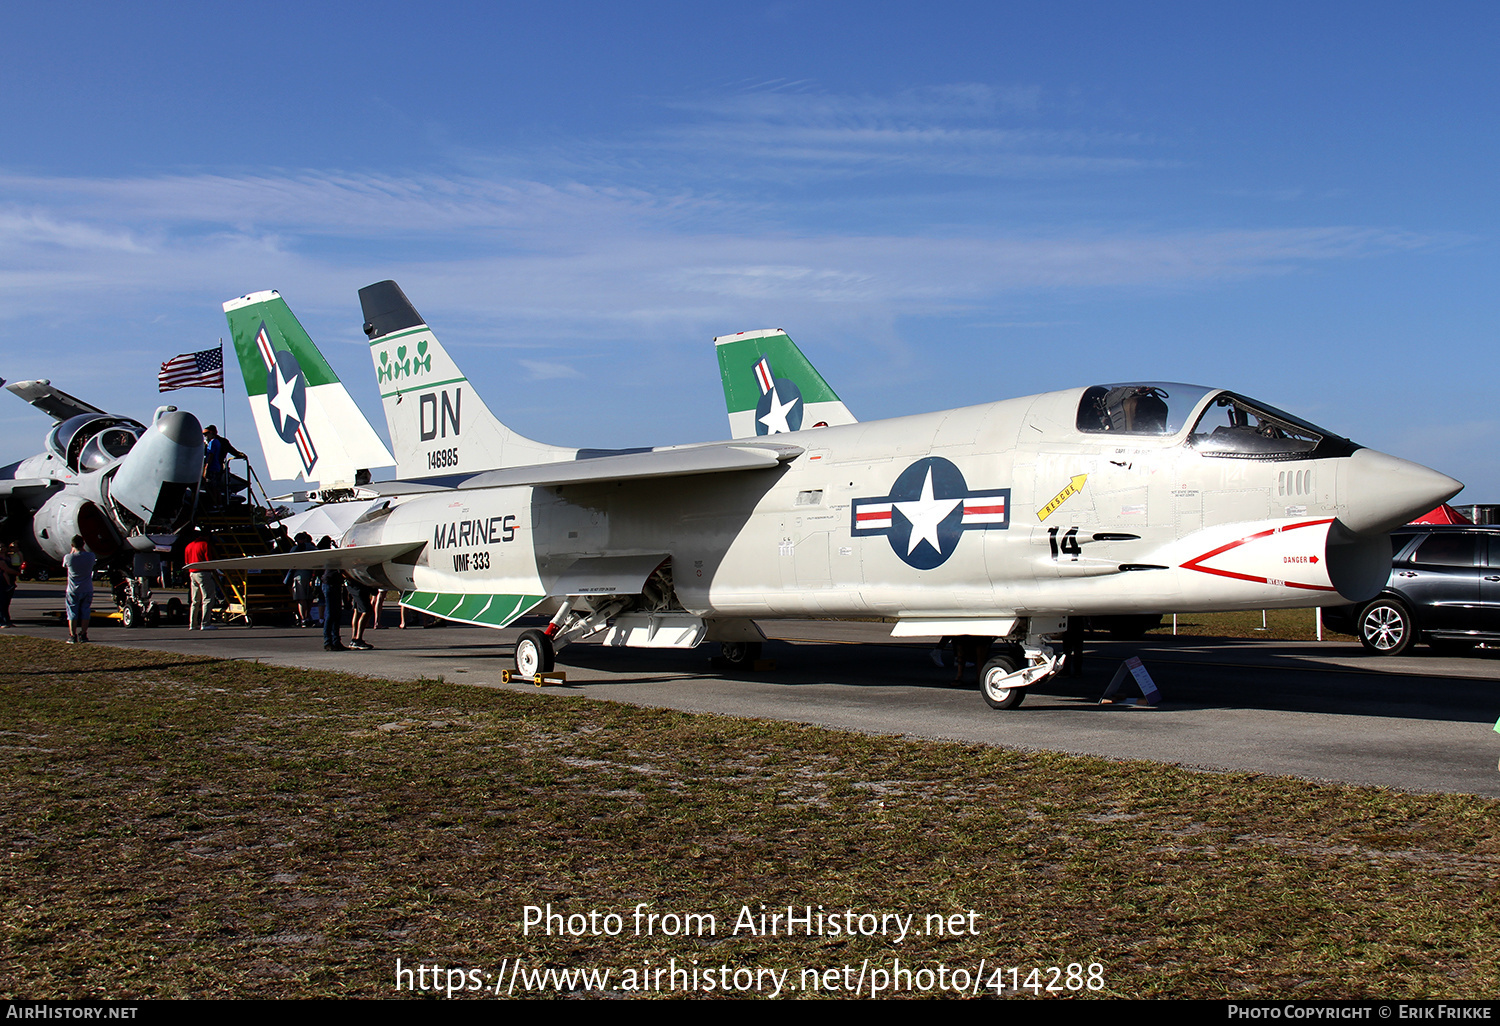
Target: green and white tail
771,388
438,423
309,426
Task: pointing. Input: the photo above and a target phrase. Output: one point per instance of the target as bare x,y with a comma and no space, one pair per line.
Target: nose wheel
993,683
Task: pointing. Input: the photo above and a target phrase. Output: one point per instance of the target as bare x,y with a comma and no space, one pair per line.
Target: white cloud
541,371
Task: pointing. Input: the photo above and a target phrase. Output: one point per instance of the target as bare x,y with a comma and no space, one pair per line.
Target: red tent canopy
1444,514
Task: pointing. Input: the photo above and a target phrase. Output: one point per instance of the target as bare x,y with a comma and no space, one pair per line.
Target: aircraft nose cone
180,426
1382,491
156,479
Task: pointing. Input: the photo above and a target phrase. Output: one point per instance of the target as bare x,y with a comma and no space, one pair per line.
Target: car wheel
996,670
1385,627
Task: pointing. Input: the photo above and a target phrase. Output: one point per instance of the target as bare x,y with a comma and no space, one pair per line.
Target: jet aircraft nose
1381,491
157,477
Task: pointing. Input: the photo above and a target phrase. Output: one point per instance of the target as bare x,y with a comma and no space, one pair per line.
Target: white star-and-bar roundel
928,509
286,395
779,410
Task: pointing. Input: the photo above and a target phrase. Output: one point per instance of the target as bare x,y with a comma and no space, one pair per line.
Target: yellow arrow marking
1074,485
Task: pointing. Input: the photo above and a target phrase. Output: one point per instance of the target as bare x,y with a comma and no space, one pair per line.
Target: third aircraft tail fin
770,387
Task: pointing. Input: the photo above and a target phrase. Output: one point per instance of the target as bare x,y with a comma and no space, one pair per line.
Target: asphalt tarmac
1317,710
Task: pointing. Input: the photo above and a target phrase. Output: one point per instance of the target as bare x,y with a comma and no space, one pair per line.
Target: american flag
204,370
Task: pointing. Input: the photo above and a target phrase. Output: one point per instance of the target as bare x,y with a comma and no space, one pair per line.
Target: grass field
175,826
1280,625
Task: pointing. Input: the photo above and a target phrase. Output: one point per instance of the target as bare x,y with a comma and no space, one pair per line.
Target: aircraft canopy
1226,424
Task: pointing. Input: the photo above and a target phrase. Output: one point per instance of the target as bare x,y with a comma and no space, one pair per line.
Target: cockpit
90,441
1223,424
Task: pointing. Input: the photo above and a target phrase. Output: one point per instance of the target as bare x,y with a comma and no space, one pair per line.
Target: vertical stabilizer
771,388
309,426
438,423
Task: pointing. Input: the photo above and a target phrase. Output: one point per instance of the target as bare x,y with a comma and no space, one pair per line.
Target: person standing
203,588
333,603
301,582
10,573
80,594
216,453
359,600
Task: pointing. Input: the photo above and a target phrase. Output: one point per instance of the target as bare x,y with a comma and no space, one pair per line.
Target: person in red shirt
203,588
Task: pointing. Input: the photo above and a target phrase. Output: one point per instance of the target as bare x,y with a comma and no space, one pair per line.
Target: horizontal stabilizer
316,559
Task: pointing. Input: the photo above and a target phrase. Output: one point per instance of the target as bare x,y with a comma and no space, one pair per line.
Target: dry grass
179,827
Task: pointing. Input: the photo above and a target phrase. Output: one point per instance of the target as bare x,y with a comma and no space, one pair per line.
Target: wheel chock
541,680
1132,669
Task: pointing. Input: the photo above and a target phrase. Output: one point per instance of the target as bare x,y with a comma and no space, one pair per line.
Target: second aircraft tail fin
438,423
309,426
770,387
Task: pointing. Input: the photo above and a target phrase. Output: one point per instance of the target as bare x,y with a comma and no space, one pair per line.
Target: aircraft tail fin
770,387
437,421
309,426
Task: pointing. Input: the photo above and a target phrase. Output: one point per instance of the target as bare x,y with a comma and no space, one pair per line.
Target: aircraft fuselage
1002,510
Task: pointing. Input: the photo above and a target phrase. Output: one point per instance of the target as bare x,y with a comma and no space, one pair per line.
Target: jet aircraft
124,486
997,521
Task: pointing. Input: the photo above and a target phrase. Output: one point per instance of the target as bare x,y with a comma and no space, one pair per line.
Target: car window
1447,550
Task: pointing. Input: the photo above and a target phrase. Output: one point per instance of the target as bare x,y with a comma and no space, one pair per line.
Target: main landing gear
534,654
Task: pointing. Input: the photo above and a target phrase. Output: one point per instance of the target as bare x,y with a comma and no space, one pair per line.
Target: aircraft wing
703,459
54,402
26,484
316,559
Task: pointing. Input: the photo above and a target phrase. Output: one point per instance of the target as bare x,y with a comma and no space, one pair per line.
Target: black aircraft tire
1000,698
1386,627
739,655
534,654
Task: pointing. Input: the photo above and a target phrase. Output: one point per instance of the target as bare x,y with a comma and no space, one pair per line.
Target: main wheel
534,653
1385,627
998,668
130,616
740,655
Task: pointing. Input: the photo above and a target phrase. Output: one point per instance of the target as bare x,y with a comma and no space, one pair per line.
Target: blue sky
943,204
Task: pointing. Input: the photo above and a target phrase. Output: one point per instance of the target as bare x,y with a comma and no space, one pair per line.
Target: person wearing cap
216,453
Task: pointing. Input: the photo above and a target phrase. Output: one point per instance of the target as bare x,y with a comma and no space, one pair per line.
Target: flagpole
223,409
